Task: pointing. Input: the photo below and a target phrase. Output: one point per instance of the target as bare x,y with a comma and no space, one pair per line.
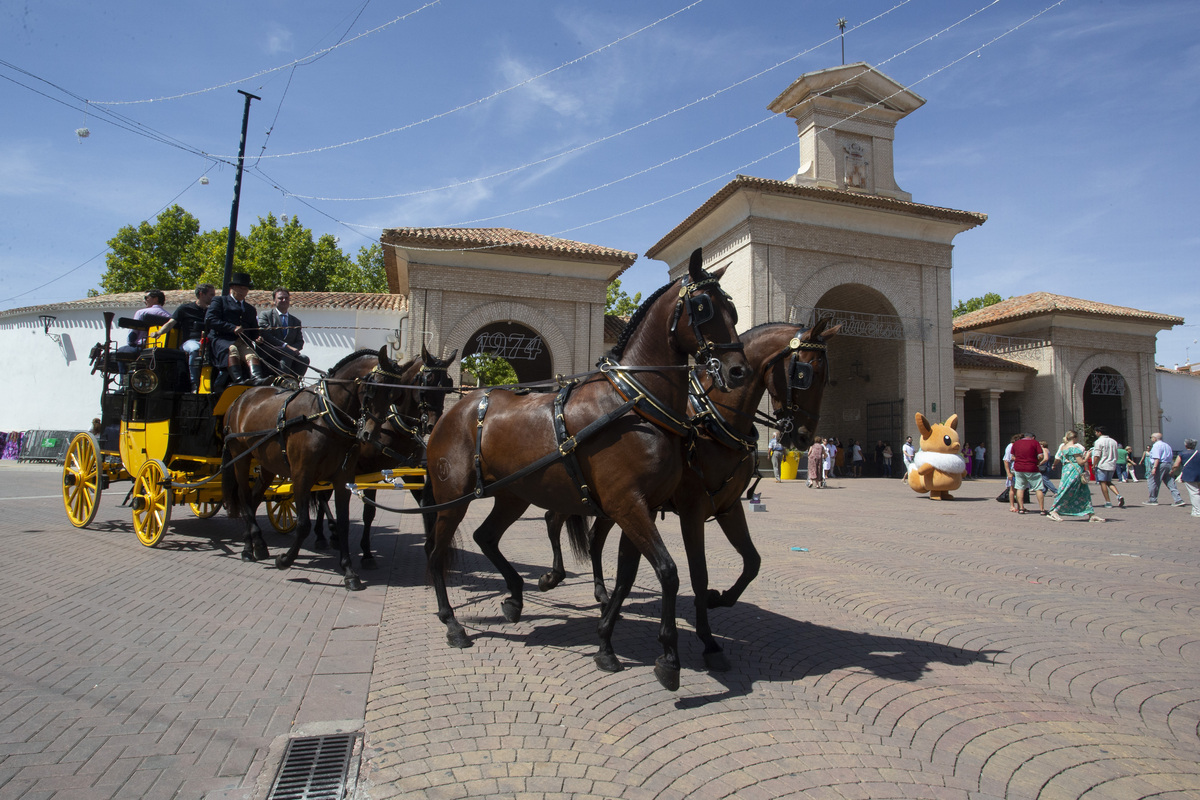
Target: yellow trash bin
790,466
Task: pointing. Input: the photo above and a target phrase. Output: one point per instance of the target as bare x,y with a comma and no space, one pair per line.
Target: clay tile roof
261,299
505,240
816,193
965,356
1030,305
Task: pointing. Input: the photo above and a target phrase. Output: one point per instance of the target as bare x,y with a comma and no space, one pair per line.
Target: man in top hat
234,325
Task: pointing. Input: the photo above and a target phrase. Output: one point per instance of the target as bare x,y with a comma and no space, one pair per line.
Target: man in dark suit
234,325
282,337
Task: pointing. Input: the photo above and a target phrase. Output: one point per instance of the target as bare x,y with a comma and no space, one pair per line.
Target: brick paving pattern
914,650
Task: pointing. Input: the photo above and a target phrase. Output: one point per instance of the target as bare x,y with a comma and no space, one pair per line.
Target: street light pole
237,193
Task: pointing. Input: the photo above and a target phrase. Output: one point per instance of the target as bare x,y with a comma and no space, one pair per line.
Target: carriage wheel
281,510
81,485
152,495
205,508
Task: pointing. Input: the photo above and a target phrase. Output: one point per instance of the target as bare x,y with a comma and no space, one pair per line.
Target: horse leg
303,523
554,526
322,498
368,560
600,531
642,534
733,524
254,547
341,502
628,559
439,537
692,526
504,513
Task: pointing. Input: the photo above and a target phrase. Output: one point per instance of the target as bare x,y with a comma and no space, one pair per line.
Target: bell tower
846,117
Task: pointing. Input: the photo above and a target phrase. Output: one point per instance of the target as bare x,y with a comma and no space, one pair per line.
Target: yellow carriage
167,440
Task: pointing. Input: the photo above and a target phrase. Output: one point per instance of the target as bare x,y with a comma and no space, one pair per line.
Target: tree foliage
172,253
975,303
489,369
619,302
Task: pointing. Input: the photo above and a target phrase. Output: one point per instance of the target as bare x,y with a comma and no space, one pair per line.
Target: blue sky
1071,124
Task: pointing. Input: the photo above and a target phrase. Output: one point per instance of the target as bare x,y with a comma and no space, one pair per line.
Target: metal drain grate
314,768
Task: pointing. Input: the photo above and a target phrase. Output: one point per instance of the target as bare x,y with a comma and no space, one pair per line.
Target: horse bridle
700,310
799,377
428,401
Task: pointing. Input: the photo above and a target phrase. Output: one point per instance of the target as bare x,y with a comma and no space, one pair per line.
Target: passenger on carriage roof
152,309
189,318
234,326
282,337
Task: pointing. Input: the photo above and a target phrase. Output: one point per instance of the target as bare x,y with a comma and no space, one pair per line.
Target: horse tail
230,486
580,535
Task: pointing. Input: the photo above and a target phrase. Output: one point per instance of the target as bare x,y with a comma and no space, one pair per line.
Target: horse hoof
458,639
716,661
369,562
607,662
282,562
261,552
549,581
353,584
511,610
248,556
667,675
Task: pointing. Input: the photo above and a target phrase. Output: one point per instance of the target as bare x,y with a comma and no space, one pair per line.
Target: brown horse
611,444
400,441
309,436
792,367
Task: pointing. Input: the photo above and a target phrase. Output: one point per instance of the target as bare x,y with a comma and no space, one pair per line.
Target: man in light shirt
1159,470
1104,458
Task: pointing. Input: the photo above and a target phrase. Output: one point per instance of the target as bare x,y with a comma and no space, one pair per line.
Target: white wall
1180,399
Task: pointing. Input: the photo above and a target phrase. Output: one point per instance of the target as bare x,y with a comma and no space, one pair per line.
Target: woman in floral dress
1074,498
816,463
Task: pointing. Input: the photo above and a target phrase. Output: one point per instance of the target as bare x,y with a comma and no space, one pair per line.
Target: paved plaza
891,647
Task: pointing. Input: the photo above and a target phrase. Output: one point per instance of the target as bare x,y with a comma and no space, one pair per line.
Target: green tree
489,369
365,274
151,255
620,303
975,303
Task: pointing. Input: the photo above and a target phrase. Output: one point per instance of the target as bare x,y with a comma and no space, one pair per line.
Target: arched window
518,344
1105,402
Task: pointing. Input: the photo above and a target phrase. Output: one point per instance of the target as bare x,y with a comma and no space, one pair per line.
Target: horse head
434,380
703,325
796,379
377,389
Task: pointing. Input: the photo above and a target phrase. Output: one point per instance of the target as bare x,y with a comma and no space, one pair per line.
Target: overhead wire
227,84
727,173
611,136
486,98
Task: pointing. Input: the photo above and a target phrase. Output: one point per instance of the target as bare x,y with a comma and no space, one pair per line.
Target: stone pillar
960,408
995,447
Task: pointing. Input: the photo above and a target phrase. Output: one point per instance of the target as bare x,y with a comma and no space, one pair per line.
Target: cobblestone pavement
911,649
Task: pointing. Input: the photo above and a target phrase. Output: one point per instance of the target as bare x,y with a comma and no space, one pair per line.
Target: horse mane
357,354
619,348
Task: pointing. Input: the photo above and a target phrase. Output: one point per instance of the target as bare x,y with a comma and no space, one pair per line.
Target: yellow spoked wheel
205,509
151,502
81,480
282,513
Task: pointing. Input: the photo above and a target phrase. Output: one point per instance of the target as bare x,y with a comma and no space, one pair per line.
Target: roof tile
503,239
1030,305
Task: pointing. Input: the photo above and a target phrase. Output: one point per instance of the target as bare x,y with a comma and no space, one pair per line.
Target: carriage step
315,768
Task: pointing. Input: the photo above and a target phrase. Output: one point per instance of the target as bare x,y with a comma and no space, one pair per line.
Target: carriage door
518,344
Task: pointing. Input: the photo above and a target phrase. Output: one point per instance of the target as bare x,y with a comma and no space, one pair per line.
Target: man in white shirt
1104,459
1159,470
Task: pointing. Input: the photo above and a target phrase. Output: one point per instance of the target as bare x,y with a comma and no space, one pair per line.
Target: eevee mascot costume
938,467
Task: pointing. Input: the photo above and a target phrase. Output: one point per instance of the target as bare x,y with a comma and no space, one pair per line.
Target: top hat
241,279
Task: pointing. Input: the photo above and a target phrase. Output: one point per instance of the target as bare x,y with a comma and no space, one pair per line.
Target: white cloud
279,40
